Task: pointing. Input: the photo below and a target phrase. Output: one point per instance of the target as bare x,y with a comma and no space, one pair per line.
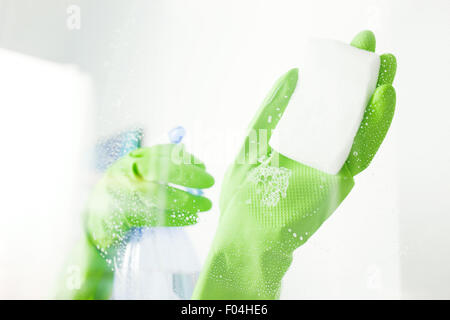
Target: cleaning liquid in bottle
157,262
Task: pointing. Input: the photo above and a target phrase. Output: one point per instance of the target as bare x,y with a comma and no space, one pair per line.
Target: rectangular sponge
325,112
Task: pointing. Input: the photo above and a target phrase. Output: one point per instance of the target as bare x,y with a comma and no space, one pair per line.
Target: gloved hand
272,206
138,190
135,192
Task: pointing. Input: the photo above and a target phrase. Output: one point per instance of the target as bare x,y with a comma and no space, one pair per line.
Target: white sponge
335,84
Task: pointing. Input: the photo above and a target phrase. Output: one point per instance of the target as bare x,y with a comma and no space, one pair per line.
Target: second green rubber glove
270,205
142,189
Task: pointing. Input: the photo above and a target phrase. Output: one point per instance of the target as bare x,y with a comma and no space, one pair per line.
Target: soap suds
271,182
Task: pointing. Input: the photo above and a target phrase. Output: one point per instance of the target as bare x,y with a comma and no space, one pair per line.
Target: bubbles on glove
271,182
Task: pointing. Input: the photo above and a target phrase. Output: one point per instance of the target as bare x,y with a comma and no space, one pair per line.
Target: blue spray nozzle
177,134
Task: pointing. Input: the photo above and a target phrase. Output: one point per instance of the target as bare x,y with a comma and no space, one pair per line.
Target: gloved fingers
364,40
176,207
173,199
388,68
164,169
275,103
379,112
168,150
266,119
153,204
375,124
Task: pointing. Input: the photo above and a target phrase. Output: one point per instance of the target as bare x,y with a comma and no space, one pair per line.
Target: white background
207,65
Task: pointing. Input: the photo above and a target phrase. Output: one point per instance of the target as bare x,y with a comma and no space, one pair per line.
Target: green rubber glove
272,206
138,190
